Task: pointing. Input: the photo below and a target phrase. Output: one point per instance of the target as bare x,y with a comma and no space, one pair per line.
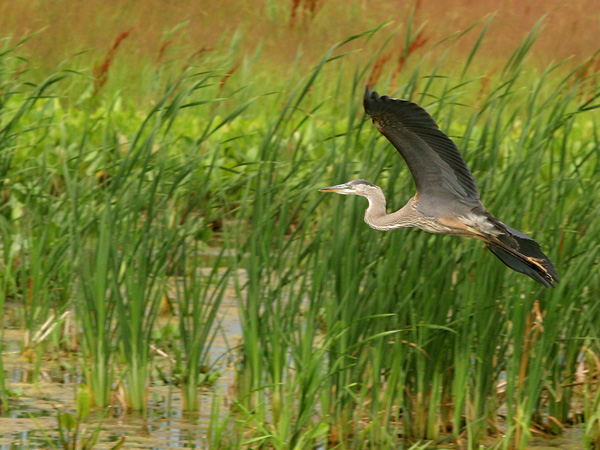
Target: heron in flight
447,198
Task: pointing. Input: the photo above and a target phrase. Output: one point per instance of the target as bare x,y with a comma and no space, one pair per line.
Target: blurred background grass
283,37
134,136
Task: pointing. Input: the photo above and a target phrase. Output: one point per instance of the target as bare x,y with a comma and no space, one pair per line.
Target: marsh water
40,391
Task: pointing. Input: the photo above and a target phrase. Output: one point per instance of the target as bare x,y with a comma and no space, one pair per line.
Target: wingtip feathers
368,99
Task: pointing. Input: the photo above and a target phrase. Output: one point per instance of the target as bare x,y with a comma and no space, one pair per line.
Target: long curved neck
377,218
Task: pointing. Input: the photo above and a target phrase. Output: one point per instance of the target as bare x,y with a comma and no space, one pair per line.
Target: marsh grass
351,338
421,329
5,284
131,228
198,298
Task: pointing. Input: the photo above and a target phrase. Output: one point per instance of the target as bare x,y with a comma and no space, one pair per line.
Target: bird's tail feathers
521,253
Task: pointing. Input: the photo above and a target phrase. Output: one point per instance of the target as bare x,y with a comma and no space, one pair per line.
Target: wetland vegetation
131,229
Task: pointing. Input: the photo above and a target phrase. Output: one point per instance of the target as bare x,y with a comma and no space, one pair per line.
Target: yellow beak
339,189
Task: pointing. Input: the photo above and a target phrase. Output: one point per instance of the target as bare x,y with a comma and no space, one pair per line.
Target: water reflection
40,392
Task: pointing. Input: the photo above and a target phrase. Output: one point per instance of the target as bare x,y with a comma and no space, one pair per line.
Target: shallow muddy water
42,391
166,426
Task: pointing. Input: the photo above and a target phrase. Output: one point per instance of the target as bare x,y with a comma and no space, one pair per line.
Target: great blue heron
447,199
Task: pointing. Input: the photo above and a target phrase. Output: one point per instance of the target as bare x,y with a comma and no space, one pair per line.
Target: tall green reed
279,344
139,224
28,198
97,297
198,297
351,337
424,329
5,288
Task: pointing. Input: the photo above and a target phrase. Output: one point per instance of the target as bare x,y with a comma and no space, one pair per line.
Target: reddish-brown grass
378,67
226,77
404,52
572,29
587,78
101,69
163,48
419,41
306,8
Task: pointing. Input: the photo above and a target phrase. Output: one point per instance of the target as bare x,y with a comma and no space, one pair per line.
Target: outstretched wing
521,253
433,159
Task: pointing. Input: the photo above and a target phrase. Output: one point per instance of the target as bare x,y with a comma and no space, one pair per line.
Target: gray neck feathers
377,218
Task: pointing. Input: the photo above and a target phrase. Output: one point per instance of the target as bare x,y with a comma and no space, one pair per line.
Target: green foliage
72,427
351,338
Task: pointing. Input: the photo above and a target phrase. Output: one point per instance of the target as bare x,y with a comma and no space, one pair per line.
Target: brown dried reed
418,42
100,71
308,8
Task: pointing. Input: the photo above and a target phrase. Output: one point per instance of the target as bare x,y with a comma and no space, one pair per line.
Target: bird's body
447,199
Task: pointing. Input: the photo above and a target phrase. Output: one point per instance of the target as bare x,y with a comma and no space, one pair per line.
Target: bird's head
354,187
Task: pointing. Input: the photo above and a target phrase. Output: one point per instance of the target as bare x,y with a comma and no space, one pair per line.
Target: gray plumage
447,198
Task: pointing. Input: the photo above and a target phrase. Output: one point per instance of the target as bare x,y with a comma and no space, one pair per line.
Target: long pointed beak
338,189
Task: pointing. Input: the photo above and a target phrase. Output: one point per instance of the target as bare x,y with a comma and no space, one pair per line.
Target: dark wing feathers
441,175
514,248
519,264
432,157
519,258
